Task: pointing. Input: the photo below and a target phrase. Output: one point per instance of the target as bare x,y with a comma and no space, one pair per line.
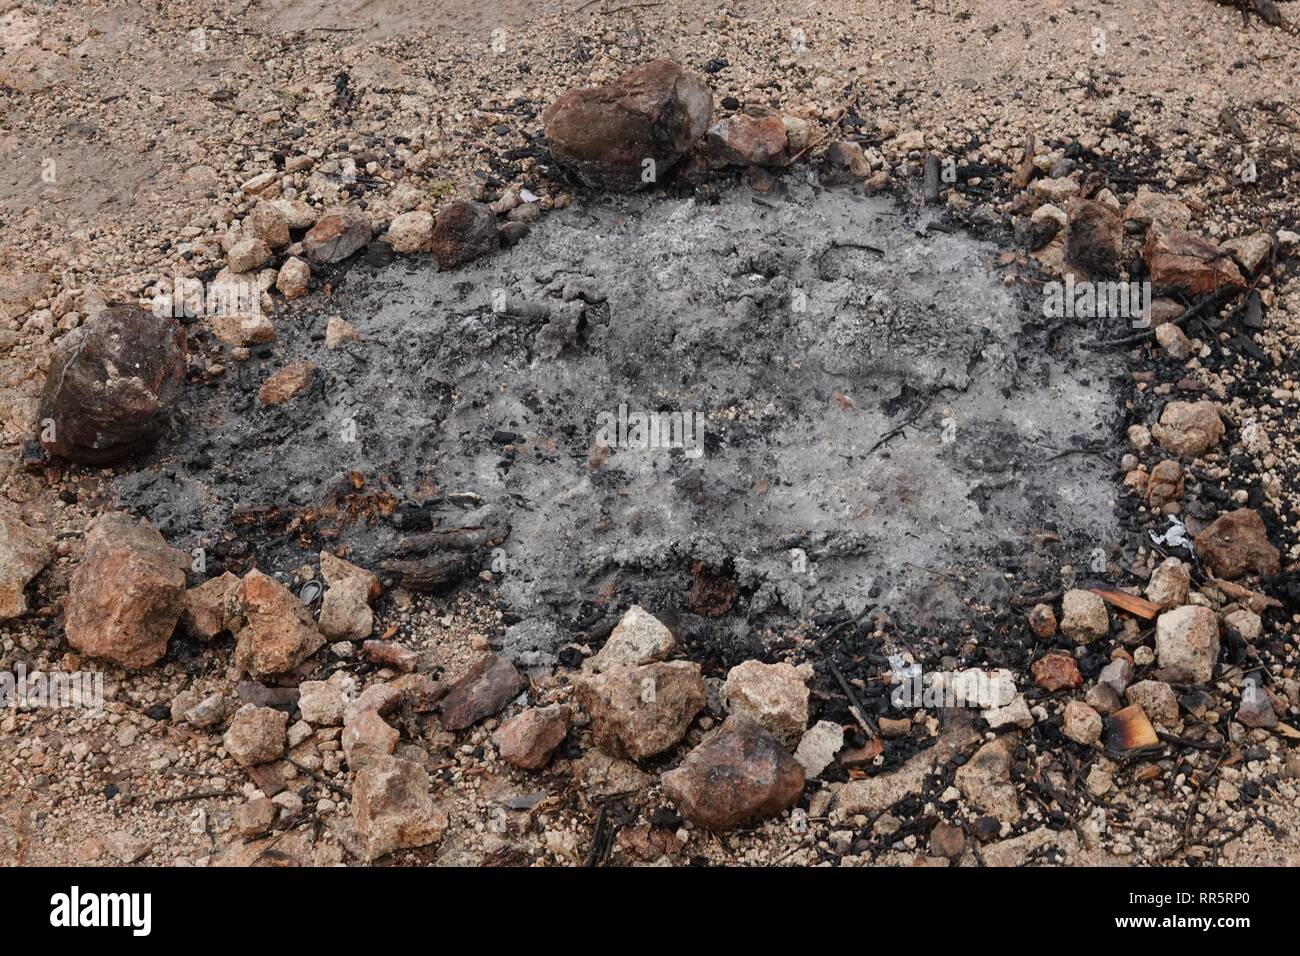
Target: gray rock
819,746
774,695
1256,708
1083,616
256,735
985,780
1187,644
208,713
639,638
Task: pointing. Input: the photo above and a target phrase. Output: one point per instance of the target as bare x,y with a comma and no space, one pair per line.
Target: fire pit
774,404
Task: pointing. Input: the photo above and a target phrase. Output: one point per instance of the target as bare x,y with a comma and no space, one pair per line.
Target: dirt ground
126,131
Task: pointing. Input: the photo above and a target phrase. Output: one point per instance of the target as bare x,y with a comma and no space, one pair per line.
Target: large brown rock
1093,235
276,632
604,134
336,235
127,594
488,686
392,808
1236,543
463,231
640,711
737,776
1185,262
111,386
24,552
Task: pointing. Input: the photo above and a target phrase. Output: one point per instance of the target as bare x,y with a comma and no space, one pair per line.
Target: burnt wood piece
433,573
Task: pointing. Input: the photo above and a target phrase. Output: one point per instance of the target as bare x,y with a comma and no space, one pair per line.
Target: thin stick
855,708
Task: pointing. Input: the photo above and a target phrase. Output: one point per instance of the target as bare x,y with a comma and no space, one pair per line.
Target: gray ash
874,407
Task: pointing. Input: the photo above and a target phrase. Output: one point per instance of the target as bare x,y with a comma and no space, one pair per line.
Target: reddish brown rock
1057,671
605,134
737,776
286,383
24,552
112,386
490,684
336,235
1042,621
1237,543
527,740
1185,262
207,607
755,136
127,594
947,841
1165,483
390,654
1093,236
392,808
276,632
711,593
463,231
640,711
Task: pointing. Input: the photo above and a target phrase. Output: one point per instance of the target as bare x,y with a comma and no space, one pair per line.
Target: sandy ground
127,129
